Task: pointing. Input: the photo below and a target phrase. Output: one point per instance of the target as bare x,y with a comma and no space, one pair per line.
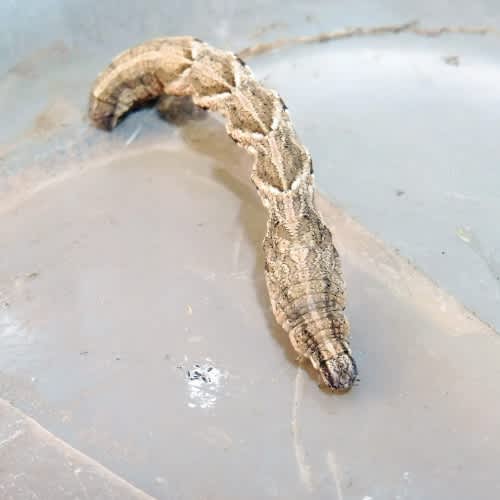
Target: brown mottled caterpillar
302,266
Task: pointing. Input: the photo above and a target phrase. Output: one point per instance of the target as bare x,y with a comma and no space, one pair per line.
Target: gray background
108,288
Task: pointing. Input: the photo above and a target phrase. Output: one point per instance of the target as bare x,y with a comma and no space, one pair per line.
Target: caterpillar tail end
339,373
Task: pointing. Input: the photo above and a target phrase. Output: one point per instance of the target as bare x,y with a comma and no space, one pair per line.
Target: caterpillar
302,266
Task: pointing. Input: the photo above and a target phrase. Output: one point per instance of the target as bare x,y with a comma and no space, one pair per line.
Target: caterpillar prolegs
302,267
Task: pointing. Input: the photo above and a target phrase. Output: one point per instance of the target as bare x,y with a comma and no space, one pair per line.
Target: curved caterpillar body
302,266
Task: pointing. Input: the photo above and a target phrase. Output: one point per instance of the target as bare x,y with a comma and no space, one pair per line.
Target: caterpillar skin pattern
302,267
